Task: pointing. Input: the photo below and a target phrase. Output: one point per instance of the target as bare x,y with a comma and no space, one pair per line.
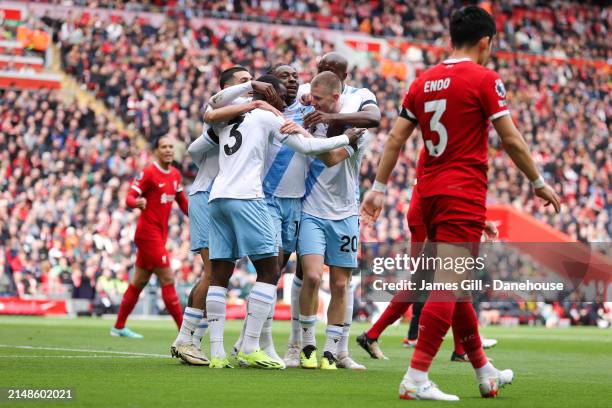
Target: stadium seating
158,80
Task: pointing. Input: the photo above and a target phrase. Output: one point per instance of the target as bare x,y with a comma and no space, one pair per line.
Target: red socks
130,298
436,318
172,303
457,339
394,311
465,322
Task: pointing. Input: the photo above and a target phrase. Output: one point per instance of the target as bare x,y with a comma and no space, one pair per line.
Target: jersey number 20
437,107
229,150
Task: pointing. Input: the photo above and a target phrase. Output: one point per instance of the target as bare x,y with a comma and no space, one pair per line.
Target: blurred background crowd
65,170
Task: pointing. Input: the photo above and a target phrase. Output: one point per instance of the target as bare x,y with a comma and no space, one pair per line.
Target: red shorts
151,255
453,219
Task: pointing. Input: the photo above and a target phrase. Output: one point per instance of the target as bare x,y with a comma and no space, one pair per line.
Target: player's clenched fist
371,206
141,203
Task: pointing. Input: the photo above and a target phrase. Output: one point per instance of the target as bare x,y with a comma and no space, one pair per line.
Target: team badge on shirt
499,88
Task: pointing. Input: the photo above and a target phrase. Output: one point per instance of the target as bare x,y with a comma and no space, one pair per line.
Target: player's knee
311,279
338,286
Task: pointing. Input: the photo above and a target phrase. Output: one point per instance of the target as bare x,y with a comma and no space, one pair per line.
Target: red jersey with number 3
159,187
453,103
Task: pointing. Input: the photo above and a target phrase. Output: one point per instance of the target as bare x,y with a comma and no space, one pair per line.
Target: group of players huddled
278,166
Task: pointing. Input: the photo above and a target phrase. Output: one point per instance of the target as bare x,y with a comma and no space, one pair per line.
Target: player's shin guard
215,312
261,300
296,286
436,319
129,300
465,322
173,305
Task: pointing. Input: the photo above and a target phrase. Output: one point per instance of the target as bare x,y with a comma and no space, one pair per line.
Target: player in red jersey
453,103
402,300
153,191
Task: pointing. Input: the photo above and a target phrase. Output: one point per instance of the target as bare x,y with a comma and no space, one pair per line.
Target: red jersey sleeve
407,111
180,198
492,95
141,183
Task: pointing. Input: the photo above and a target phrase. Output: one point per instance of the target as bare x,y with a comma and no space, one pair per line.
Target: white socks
215,311
417,377
265,341
296,286
348,319
307,323
191,320
333,335
261,300
199,333
485,371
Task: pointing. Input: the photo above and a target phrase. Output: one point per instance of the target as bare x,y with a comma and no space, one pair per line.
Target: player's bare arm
230,112
517,149
369,117
373,200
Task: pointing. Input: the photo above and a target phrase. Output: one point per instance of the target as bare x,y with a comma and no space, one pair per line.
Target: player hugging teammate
261,177
279,173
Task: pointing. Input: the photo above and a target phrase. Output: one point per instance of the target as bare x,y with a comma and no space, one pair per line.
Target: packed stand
560,108
64,226
561,29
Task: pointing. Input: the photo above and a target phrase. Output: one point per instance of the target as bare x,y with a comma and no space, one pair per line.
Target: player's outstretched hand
268,91
290,127
266,106
547,194
354,134
371,206
316,117
141,203
490,231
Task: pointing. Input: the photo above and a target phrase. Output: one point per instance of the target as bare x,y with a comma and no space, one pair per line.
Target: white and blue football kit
241,224
204,152
283,183
330,209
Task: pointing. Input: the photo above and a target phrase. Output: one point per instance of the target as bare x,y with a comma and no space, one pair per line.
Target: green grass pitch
554,368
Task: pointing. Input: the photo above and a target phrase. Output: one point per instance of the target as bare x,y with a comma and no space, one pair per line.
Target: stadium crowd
78,237
561,29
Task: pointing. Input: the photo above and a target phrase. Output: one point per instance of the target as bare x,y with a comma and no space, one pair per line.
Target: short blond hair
328,81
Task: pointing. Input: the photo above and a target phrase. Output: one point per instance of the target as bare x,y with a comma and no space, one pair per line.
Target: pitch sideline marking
125,353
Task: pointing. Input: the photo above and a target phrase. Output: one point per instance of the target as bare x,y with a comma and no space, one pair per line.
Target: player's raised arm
303,142
517,149
365,114
373,200
230,112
